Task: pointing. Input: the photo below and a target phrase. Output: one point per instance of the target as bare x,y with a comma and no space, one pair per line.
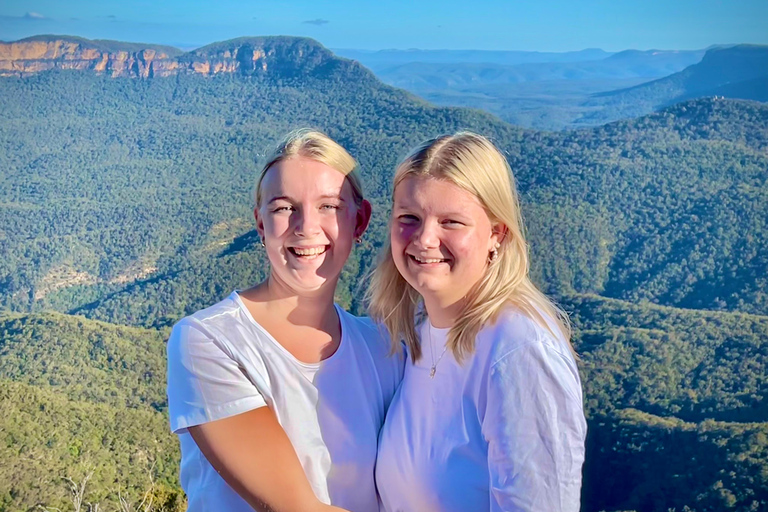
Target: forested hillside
83,401
127,200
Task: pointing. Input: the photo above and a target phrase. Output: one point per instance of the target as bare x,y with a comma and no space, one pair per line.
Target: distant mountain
245,56
381,59
545,94
466,77
736,72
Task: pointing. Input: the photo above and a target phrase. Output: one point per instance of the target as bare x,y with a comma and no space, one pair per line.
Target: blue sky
543,25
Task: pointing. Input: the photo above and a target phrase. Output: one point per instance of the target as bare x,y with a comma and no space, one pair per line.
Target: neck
442,315
314,309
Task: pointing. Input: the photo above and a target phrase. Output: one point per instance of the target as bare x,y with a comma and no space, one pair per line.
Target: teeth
308,251
428,260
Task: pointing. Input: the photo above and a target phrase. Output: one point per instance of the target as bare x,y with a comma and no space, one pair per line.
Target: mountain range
127,206
581,90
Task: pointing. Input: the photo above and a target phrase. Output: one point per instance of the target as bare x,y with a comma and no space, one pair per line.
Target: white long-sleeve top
504,431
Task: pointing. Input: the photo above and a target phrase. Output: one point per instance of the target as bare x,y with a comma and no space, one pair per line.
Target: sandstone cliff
287,55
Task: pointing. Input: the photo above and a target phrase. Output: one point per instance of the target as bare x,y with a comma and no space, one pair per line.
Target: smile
427,261
308,252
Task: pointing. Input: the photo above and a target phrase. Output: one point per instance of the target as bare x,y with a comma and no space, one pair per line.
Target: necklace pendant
432,372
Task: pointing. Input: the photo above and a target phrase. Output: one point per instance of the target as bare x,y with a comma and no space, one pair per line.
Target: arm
254,456
535,429
210,397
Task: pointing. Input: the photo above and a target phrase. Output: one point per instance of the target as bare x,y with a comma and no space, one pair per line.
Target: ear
259,223
363,218
498,233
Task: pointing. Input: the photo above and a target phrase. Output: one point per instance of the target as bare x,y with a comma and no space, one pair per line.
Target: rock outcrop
287,56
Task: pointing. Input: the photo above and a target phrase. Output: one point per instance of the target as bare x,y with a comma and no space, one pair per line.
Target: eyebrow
408,206
324,196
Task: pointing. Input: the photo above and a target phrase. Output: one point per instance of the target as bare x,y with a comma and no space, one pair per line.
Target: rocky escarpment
287,56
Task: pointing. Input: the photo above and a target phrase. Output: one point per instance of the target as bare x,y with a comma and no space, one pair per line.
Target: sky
527,25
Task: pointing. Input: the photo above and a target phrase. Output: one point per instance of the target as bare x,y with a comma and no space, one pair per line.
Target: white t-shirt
504,431
222,363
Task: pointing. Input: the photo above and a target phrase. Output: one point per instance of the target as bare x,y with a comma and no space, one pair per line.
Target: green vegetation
48,439
127,201
85,360
677,403
105,45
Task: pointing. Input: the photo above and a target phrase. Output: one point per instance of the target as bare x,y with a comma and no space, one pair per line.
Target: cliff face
25,57
287,56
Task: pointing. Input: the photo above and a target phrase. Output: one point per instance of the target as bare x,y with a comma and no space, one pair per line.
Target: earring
358,240
262,243
494,255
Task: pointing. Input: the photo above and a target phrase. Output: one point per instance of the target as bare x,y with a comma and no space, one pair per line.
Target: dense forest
127,206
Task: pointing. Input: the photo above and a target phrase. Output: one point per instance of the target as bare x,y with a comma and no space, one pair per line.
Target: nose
426,236
306,222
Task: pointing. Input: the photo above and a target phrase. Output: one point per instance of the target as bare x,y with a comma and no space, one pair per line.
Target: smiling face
308,221
441,239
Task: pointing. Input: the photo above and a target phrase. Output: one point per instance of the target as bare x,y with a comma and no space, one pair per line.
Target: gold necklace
433,370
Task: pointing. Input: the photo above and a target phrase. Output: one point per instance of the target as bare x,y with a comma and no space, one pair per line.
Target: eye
407,219
330,207
280,209
452,223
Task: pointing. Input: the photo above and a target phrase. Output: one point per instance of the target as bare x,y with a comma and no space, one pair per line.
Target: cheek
342,224
277,225
401,235
470,250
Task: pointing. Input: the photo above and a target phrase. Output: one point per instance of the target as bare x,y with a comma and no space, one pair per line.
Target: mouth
426,261
308,253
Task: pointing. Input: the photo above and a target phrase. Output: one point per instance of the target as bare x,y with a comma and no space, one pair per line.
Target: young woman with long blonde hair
276,393
489,415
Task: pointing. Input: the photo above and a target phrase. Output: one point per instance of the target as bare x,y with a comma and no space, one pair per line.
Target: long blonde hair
472,163
317,146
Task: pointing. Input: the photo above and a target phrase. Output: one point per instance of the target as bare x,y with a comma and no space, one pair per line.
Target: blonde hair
472,163
317,146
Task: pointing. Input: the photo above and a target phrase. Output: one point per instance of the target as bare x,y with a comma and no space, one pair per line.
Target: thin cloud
34,16
318,22
112,16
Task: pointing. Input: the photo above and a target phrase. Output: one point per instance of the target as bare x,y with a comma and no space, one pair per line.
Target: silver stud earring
358,240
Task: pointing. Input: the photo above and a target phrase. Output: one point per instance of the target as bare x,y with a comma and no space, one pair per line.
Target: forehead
300,176
436,195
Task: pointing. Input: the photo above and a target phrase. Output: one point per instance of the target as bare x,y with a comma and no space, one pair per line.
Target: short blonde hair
474,164
317,146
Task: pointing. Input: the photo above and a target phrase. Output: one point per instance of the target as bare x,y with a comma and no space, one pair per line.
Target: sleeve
204,382
535,428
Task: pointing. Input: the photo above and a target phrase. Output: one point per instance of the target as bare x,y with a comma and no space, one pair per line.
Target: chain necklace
433,370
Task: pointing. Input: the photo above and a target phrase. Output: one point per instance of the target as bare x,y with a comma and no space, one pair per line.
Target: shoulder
374,339
207,324
363,330
515,331
217,314
532,362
